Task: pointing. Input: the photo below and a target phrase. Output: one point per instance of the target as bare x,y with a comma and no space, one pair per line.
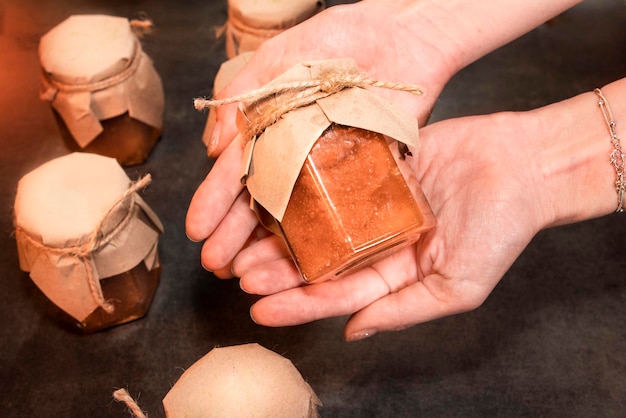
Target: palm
484,222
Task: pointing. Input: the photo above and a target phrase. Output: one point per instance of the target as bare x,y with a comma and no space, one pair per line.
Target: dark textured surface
550,341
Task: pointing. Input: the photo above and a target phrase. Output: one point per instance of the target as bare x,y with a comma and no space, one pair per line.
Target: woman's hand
219,211
478,176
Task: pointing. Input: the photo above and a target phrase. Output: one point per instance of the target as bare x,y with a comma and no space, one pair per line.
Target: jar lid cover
87,48
67,197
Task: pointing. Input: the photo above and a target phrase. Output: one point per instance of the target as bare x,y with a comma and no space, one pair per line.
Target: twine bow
285,97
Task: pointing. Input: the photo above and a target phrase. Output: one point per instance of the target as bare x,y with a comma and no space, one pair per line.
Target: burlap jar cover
78,220
251,22
94,68
281,122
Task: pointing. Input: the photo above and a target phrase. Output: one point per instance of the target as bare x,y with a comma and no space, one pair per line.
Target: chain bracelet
617,157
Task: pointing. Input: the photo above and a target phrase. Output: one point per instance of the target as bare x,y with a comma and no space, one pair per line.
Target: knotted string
292,95
96,240
142,25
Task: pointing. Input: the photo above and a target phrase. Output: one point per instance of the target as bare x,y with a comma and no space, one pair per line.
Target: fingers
275,276
215,196
230,235
320,300
224,130
432,298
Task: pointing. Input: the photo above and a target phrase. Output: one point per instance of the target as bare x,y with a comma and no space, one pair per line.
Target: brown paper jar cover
324,177
242,381
88,240
104,91
251,22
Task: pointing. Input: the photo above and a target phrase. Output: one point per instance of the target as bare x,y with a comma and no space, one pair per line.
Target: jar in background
88,239
251,22
105,93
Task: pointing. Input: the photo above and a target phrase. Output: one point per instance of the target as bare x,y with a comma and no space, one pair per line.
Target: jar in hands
105,93
321,171
88,239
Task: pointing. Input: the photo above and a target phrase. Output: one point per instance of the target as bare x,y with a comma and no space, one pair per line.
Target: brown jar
319,166
251,22
106,96
350,205
88,239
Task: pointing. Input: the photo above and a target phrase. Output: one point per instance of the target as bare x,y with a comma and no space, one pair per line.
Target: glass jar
88,240
105,93
320,170
350,205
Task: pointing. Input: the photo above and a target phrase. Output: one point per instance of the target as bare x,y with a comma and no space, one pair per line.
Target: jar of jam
88,239
323,175
251,22
105,93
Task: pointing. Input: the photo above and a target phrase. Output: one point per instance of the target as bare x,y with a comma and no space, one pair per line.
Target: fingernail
205,267
252,316
241,286
214,141
360,335
191,239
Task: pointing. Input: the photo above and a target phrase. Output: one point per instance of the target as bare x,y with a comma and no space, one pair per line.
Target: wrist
574,147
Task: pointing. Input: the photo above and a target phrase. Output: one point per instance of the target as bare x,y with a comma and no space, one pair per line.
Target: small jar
319,166
251,22
105,93
88,239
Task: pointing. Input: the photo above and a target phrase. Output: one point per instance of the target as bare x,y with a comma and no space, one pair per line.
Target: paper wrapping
273,161
227,71
243,381
58,206
251,22
95,69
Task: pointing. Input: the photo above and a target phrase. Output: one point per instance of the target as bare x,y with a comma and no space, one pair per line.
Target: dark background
549,342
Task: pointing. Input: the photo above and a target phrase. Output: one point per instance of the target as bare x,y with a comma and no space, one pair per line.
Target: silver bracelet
617,155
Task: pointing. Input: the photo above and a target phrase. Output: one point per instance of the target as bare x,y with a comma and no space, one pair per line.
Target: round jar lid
87,48
273,14
66,198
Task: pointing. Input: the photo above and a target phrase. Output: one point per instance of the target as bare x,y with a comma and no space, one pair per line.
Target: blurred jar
88,239
105,93
251,22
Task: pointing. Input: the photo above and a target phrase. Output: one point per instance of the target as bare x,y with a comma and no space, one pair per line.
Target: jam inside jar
350,205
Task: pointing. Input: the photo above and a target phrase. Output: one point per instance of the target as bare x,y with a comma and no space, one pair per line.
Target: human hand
219,211
478,175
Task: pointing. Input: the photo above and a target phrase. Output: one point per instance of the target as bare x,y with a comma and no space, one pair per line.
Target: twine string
281,98
117,78
122,395
97,239
142,25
